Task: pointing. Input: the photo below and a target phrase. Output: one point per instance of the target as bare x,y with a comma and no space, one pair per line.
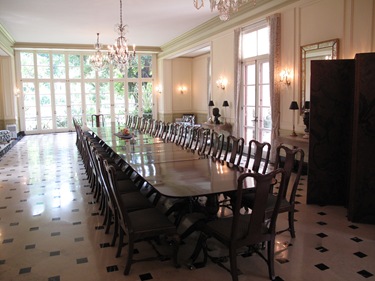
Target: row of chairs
258,227
205,141
231,149
264,202
122,200
211,144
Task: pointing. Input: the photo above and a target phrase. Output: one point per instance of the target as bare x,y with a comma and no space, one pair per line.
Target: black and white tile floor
50,229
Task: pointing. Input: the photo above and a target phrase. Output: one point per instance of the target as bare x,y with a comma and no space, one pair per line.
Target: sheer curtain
275,68
238,79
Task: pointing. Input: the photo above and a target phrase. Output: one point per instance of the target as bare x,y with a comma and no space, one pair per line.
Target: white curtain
274,22
238,78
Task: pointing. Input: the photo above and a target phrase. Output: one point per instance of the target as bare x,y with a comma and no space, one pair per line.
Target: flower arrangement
125,131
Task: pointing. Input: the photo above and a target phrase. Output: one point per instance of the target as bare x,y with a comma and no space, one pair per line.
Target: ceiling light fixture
119,54
225,7
98,61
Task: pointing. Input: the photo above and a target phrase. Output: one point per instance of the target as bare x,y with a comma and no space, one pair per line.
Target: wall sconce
211,103
285,77
221,82
182,89
158,89
17,92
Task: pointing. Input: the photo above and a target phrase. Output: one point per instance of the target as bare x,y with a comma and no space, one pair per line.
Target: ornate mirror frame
316,51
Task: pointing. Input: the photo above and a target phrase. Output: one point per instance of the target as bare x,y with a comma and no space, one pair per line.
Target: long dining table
172,170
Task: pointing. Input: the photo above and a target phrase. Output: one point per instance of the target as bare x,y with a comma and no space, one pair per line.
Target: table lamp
293,106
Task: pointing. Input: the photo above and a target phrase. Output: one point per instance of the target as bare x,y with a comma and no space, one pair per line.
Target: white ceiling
151,22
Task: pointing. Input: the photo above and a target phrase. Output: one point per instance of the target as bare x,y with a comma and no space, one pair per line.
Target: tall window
255,102
57,86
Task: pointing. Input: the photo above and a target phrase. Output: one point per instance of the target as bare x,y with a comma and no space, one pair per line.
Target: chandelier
225,7
98,61
118,53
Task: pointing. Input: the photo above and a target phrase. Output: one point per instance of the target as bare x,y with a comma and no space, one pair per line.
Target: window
255,102
57,86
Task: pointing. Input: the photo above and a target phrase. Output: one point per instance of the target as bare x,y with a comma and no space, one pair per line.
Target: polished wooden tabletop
170,169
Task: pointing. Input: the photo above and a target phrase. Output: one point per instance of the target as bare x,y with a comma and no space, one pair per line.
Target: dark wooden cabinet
342,136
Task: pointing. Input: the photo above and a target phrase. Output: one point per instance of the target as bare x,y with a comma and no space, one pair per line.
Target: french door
256,106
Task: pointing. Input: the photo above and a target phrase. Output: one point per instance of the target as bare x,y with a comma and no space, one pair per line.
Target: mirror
326,50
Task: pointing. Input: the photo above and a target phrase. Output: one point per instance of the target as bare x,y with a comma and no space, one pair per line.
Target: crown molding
75,47
246,13
6,41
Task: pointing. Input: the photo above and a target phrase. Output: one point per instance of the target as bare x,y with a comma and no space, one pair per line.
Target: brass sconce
158,89
222,82
285,77
182,89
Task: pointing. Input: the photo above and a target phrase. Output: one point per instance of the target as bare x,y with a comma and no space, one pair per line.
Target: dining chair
290,160
216,145
124,186
258,151
234,150
161,129
170,132
125,191
189,136
180,134
192,138
140,225
147,126
142,124
243,230
201,141
129,121
153,127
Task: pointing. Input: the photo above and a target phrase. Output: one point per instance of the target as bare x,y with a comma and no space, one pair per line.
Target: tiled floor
50,229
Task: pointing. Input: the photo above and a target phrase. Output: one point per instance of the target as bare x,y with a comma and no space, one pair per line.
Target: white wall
199,83
181,77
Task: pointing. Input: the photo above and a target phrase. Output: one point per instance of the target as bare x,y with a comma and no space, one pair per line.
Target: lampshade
307,105
225,103
293,105
211,103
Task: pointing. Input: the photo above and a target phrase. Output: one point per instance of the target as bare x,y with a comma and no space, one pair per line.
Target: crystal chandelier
225,7
98,61
118,53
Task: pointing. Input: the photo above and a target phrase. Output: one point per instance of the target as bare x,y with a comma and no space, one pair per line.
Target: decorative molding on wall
6,42
215,26
78,47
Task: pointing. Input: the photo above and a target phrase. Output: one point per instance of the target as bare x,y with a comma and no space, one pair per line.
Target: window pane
250,75
74,66
105,101
45,105
27,65
146,66
88,71
264,99
249,45
250,96
44,69
263,41
104,73
265,71
147,99
58,66
133,68
133,98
